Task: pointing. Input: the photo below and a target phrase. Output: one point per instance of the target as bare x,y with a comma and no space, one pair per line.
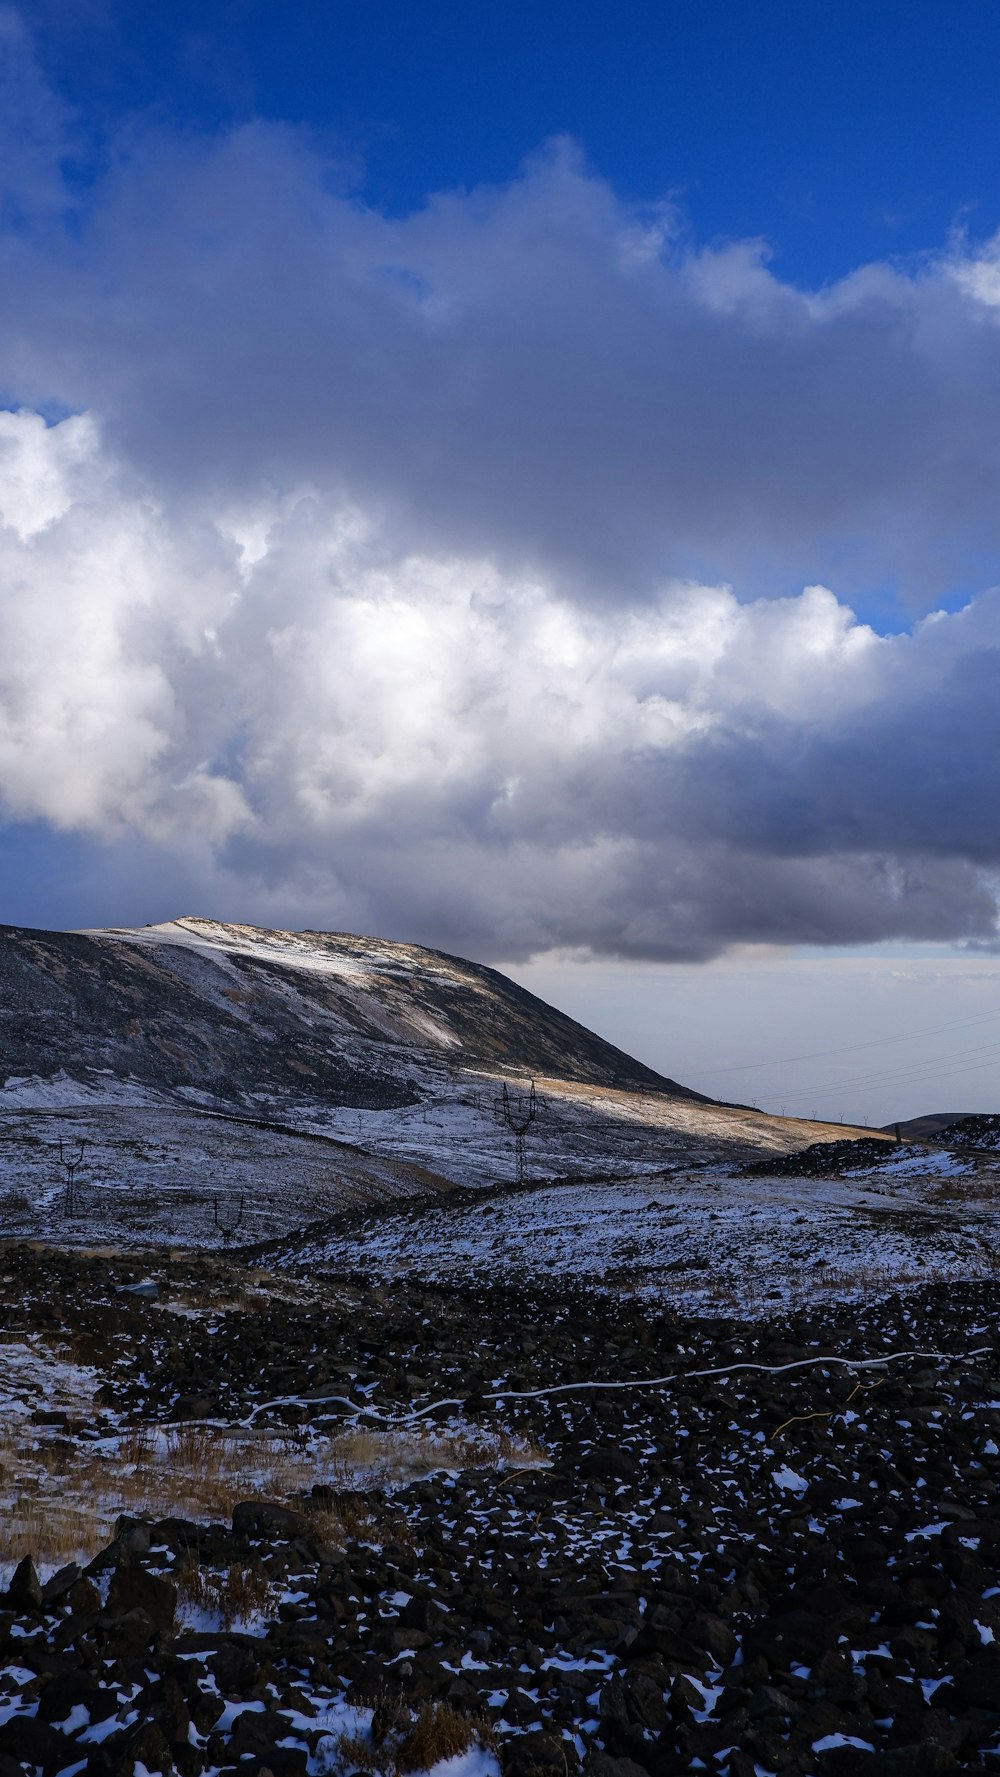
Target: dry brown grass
414,1742
59,1497
53,1532
441,1732
237,1595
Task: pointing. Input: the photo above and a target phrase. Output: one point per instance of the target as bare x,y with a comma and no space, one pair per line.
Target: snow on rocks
651,1599
788,1481
705,1240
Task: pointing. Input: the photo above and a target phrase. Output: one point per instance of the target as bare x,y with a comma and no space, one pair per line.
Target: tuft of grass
413,1742
239,1594
441,1732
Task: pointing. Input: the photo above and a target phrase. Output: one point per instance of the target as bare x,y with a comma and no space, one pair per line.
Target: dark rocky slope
793,1572
241,1014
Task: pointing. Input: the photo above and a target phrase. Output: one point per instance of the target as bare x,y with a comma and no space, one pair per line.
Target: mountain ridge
235,1015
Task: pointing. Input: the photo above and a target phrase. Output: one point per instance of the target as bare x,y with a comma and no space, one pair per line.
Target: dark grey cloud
421,574
535,371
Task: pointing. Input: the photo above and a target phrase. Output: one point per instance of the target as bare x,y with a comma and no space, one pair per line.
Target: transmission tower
518,1111
227,1224
73,1195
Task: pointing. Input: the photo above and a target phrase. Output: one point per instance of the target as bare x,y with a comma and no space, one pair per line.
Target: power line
850,1048
930,1069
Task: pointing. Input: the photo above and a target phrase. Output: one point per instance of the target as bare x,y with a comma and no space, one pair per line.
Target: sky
521,478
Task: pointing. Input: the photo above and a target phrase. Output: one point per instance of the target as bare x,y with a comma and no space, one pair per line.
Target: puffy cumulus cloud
417,572
315,723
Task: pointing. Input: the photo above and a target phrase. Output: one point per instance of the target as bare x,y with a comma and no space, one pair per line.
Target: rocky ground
672,1544
875,1216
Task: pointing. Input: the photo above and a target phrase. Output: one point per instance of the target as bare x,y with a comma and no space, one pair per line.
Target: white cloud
41,468
420,572
424,734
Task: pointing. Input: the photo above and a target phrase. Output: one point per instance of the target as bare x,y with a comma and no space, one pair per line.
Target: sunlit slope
244,1017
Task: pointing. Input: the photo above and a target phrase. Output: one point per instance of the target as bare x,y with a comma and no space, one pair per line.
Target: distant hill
926,1128
237,1017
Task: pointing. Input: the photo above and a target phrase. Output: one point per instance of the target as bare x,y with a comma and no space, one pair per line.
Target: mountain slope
236,1017
219,1080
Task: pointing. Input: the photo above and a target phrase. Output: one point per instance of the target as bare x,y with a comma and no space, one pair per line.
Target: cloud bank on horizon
489,574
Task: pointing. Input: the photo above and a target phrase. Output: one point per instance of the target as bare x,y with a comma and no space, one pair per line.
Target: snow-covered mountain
245,1019
211,1069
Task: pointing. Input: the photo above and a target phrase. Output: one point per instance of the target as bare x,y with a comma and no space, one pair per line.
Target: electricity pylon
518,1111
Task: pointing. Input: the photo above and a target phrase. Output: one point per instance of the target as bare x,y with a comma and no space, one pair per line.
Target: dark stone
25,1590
132,1588
524,1754
266,1518
35,1742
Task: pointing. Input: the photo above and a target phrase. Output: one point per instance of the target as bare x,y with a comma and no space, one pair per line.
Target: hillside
296,1075
236,1017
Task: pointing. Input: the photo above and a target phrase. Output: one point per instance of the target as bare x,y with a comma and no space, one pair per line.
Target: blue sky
841,133
521,478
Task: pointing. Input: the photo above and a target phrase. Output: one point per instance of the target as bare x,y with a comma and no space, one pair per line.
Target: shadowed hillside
243,1017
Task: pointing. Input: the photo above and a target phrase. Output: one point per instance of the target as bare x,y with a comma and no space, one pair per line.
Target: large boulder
25,1589
132,1588
262,1518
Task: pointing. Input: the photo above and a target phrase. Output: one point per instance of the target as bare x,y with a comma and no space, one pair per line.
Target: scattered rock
25,1590
266,1518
